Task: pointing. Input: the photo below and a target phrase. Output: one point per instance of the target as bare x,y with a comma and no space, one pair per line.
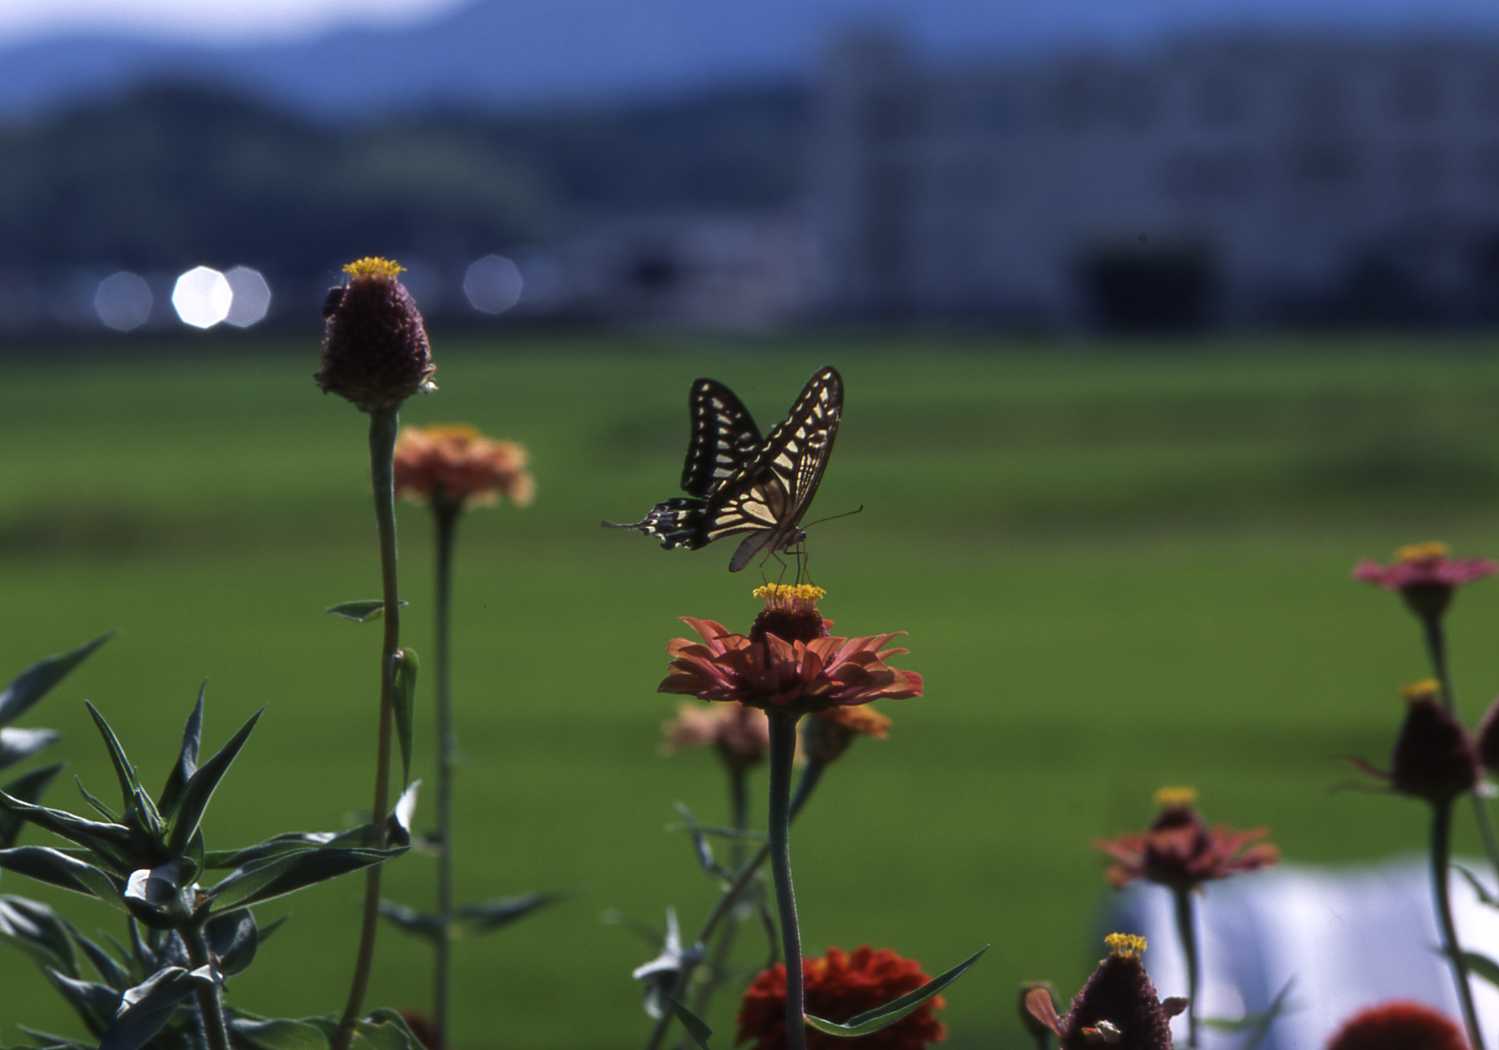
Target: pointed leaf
234,939
187,758
56,868
33,683
381,1030
146,1008
200,788
28,788
129,782
110,841
361,611
896,1009
488,916
1481,966
427,927
255,1033
95,1004
696,1027
104,964
95,802
266,880
404,700
36,929
16,745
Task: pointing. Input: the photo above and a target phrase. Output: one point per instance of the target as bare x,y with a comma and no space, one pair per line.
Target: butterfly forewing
724,437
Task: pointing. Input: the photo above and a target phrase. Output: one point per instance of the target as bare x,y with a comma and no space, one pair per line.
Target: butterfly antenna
834,517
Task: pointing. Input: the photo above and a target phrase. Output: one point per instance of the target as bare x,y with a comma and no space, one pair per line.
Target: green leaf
234,939
404,700
133,796
255,1033
34,683
1258,1025
266,880
56,868
381,1030
187,758
104,964
1481,966
696,1027
200,788
896,1009
488,916
38,931
111,841
28,788
146,1008
419,924
17,745
362,611
95,1004
95,802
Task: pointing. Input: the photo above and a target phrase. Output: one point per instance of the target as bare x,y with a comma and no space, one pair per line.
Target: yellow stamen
789,593
374,266
1425,689
1125,945
1167,797
1418,552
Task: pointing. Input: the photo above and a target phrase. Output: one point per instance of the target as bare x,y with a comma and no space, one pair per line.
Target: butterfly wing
724,437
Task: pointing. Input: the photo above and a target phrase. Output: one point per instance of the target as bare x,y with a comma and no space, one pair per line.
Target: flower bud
1434,757
375,348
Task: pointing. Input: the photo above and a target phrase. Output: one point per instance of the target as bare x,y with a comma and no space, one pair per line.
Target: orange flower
1398,1026
1180,850
740,734
456,466
1117,1006
788,661
831,732
841,985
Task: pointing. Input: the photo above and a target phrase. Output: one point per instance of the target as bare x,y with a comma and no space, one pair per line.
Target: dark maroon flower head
1181,851
1398,1025
1117,1007
1434,757
1426,575
375,348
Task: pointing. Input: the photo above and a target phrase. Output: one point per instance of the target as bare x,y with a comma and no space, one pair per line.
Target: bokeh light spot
123,301
492,284
251,296
202,297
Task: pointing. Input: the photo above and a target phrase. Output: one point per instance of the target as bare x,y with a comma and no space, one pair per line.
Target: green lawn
1119,569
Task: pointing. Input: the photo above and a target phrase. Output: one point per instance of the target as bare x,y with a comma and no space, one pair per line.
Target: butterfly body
738,482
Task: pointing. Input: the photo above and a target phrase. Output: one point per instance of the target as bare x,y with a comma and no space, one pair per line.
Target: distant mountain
511,53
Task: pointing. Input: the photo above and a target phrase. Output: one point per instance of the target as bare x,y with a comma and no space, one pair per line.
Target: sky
204,19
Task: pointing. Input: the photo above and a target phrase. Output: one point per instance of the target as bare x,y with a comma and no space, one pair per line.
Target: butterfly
736,482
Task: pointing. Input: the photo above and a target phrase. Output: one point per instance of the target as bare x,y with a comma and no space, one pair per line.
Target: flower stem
1186,932
210,1001
1441,827
447,530
723,948
383,427
1436,649
782,752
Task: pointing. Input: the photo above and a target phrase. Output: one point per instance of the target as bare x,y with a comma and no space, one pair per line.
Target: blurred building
1223,178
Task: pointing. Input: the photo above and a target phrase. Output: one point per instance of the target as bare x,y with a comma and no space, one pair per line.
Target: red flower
1425,574
1398,1026
839,986
788,661
1179,850
1434,756
740,734
456,466
1116,1007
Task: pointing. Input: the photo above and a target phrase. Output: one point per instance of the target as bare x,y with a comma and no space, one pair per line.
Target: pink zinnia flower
740,734
1398,1025
1425,574
788,661
1181,851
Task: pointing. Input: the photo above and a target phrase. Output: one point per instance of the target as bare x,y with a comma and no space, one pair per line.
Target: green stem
210,1000
1186,932
1436,649
782,753
447,530
723,948
811,776
383,426
1441,827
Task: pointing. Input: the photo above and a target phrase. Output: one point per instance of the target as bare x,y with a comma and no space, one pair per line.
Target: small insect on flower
456,467
1117,1007
1181,851
736,482
1398,1025
375,347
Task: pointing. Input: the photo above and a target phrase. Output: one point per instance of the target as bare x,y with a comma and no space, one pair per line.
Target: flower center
374,266
1425,689
790,612
1175,797
1420,553
1125,945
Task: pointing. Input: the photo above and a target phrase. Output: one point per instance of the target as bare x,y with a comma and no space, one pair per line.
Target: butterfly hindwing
724,437
676,522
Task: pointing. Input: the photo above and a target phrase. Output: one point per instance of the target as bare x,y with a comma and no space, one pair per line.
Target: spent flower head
1434,757
1425,575
1181,851
828,734
456,467
375,348
788,661
840,985
740,734
1118,1006
1398,1025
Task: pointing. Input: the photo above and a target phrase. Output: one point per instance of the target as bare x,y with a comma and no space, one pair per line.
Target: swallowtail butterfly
737,482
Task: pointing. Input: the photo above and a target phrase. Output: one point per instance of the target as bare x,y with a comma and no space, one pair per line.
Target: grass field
1119,568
